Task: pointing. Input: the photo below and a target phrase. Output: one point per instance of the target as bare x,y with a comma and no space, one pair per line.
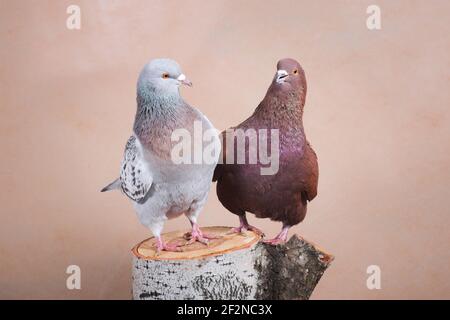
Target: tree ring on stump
225,242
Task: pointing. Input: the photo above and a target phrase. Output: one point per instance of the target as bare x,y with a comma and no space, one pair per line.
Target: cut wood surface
233,266
225,242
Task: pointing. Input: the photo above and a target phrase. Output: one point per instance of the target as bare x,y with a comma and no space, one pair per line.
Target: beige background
377,113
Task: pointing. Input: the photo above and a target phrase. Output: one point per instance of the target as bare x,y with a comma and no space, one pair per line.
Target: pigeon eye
295,71
165,75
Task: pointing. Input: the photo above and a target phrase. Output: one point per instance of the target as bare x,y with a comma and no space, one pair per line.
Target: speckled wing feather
134,176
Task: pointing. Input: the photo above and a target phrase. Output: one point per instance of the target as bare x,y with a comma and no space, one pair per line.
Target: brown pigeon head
290,78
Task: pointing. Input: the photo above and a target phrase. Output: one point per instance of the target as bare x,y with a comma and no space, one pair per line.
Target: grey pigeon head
161,79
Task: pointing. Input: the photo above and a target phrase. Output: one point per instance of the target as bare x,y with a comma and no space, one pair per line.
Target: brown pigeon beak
185,81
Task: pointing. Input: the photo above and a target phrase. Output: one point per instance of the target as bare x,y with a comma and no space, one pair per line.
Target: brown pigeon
283,196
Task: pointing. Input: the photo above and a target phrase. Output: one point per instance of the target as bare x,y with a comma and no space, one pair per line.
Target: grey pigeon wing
134,176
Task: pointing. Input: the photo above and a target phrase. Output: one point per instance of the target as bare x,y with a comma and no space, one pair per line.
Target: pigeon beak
183,80
281,75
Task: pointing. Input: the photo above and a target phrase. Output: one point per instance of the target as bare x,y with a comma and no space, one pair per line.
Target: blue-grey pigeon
160,187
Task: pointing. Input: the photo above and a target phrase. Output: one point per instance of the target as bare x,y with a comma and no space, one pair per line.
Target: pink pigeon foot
244,226
280,238
197,235
163,246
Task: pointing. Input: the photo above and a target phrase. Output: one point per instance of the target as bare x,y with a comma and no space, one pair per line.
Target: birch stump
233,266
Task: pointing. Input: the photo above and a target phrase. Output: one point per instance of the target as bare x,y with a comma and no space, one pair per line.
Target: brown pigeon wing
218,171
310,168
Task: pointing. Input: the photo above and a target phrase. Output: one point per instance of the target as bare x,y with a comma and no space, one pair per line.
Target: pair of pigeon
161,189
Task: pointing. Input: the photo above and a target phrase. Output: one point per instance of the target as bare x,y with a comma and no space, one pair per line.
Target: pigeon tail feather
112,186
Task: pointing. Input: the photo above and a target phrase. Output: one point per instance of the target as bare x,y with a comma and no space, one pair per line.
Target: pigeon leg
163,246
188,235
197,235
244,226
280,238
156,227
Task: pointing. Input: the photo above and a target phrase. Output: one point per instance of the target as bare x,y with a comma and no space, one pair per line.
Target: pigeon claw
242,229
163,246
280,238
256,230
198,238
197,235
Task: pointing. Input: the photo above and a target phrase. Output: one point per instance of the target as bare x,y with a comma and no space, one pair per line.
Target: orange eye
295,71
165,75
